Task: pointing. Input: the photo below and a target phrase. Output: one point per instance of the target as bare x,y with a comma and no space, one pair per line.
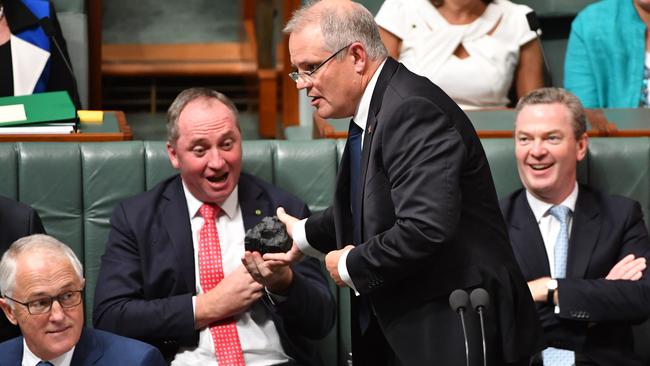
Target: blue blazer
95,347
146,280
595,314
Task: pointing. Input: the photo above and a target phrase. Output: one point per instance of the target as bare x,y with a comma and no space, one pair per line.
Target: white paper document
12,113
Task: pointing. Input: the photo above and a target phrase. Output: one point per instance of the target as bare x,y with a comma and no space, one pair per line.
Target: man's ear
173,158
360,57
583,143
9,313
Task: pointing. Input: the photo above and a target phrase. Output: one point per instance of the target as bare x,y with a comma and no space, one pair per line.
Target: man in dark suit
42,282
153,282
585,271
17,220
415,214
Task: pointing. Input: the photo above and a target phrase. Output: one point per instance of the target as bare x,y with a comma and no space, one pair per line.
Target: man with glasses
415,214
42,283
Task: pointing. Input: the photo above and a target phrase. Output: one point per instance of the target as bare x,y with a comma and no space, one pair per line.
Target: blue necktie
44,363
554,356
354,147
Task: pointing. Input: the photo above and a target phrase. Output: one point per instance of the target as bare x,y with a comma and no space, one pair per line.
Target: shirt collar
540,208
228,207
30,358
361,115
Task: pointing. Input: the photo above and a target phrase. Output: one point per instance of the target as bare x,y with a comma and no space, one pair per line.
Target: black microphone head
533,22
458,300
479,298
47,26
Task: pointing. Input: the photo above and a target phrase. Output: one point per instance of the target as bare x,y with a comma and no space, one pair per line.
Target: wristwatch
551,285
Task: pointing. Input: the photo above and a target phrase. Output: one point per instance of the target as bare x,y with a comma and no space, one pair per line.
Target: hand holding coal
269,236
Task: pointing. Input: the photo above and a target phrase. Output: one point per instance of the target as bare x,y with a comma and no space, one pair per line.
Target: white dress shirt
258,335
299,235
30,359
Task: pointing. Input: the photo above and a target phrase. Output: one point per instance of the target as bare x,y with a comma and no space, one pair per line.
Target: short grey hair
30,244
190,95
557,95
341,27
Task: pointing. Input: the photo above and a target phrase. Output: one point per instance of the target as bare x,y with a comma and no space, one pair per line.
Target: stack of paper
43,113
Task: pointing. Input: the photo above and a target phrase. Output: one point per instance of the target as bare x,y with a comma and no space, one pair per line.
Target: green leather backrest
75,187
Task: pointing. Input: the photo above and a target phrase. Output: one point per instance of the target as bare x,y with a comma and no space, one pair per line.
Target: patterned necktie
224,333
554,356
561,249
354,146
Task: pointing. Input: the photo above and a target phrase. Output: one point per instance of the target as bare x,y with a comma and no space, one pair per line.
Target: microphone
533,24
480,302
48,28
458,300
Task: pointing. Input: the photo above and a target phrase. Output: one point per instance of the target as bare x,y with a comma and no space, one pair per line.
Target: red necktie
224,333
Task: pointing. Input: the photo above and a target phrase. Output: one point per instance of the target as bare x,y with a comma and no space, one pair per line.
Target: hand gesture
628,268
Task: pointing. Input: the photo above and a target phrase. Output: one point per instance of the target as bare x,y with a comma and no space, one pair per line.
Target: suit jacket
37,65
16,220
430,224
95,347
595,313
146,281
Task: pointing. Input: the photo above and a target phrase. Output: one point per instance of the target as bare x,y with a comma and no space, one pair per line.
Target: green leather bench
74,187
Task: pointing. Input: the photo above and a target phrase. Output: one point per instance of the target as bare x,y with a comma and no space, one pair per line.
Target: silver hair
30,244
187,96
557,95
341,27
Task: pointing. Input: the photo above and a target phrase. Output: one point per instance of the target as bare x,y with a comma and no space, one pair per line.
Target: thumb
282,215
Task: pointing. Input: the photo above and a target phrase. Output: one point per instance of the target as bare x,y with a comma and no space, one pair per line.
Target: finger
639,267
637,276
627,259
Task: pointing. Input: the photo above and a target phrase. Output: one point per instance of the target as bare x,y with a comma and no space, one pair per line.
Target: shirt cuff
275,299
300,237
343,271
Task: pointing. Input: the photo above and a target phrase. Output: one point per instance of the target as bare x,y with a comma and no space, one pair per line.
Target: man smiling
41,281
583,252
172,274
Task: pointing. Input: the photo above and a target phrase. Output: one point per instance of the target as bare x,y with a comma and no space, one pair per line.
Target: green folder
42,108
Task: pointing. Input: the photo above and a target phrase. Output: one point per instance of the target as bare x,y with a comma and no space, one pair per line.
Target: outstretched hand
294,254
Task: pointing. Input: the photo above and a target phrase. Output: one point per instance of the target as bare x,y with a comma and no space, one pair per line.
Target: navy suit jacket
146,280
16,220
430,224
595,314
95,347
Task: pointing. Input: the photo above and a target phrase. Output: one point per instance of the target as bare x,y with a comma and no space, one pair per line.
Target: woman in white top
472,49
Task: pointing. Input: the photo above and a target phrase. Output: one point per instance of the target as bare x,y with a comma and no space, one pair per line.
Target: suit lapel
28,62
178,227
584,234
15,354
252,203
88,350
527,241
383,80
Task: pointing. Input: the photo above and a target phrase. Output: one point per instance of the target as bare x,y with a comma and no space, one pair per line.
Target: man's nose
303,83
215,160
56,311
538,148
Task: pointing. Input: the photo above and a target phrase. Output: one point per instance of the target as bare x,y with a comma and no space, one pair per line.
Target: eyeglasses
306,75
43,305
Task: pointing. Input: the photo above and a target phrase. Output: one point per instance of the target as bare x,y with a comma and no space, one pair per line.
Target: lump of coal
269,236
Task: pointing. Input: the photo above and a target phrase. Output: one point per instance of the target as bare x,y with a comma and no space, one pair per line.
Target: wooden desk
499,123
113,128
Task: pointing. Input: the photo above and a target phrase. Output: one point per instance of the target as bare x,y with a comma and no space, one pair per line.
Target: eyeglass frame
51,301
297,75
